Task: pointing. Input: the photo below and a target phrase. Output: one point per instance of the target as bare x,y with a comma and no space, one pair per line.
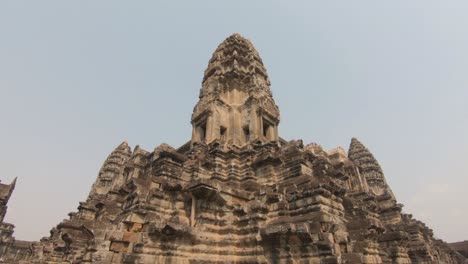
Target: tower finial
250,71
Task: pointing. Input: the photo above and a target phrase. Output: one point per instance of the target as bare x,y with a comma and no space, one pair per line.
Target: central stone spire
236,106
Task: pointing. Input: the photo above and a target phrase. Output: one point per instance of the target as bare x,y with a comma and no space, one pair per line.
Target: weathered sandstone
236,192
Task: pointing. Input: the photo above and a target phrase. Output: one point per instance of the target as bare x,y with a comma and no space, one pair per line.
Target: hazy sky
79,77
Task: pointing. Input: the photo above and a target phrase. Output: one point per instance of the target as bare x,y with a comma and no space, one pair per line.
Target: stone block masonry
236,192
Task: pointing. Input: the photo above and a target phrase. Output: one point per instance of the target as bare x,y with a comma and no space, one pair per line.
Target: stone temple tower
236,192
236,106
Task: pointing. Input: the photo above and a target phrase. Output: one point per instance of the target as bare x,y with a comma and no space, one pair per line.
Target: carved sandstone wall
238,193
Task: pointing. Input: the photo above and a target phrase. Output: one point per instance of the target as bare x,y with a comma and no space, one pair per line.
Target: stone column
271,133
362,181
254,125
260,125
237,127
230,121
275,136
194,133
193,211
209,135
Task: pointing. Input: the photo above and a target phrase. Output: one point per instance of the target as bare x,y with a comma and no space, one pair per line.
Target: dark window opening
247,133
127,172
222,133
203,132
105,182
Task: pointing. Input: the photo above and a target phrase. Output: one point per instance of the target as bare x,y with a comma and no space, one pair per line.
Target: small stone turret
112,169
369,168
5,193
236,106
6,229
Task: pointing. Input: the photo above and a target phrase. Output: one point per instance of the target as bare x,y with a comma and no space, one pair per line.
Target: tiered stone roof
236,59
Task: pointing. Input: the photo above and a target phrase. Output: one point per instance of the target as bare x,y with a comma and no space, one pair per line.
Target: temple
236,192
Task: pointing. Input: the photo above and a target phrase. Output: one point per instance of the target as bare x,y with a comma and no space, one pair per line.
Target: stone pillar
209,134
230,129
193,211
271,133
238,133
275,135
194,133
362,181
260,127
254,125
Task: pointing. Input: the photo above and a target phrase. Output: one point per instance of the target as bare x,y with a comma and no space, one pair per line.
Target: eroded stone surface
236,193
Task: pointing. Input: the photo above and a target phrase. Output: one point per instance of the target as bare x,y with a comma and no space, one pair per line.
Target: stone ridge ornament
235,193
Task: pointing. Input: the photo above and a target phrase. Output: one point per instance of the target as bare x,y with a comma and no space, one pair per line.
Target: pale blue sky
79,77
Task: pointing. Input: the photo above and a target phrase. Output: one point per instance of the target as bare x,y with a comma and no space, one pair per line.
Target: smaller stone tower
236,106
5,193
369,168
112,171
6,229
